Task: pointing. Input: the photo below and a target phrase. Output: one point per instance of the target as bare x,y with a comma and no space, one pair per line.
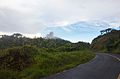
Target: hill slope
109,42
17,39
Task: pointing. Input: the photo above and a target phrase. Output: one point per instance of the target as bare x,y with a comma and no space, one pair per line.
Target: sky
74,20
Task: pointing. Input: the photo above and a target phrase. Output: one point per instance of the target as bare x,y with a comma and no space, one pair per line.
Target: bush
7,74
17,58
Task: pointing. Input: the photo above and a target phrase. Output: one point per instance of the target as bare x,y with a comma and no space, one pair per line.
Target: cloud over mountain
34,16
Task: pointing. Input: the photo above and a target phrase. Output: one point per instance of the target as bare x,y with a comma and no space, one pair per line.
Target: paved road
101,67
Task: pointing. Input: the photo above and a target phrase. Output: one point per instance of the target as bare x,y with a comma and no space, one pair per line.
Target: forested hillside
17,39
108,42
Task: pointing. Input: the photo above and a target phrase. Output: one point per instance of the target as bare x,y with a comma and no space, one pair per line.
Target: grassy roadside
50,63
47,63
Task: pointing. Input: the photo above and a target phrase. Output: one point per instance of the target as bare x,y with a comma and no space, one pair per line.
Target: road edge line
114,57
118,60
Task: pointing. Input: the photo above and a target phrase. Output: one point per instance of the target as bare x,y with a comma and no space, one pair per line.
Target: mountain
108,42
7,41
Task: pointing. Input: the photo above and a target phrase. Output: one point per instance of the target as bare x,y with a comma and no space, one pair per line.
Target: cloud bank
34,16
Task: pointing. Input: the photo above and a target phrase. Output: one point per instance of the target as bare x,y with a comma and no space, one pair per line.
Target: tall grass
50,63
45,63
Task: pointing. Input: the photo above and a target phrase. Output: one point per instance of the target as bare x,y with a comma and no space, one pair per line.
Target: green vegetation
17,39
17,58
109,42
26,58
30,62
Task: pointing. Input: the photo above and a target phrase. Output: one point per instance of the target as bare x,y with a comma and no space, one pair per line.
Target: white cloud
67,29
32,16
25,34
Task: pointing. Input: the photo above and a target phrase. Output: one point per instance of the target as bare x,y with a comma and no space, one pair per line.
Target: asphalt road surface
103,66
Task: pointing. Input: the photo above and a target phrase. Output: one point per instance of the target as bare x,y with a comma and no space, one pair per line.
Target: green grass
48,63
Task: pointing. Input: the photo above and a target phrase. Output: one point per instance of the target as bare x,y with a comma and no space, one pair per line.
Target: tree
17,35
106,31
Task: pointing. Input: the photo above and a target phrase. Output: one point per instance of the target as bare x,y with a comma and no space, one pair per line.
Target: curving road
103,66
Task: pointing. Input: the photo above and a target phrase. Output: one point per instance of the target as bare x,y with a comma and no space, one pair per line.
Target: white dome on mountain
51,36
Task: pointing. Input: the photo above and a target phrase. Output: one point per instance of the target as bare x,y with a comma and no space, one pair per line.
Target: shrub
18,58
7,74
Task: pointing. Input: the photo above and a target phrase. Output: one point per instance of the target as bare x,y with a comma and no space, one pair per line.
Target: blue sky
74,20
73,36
80,31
